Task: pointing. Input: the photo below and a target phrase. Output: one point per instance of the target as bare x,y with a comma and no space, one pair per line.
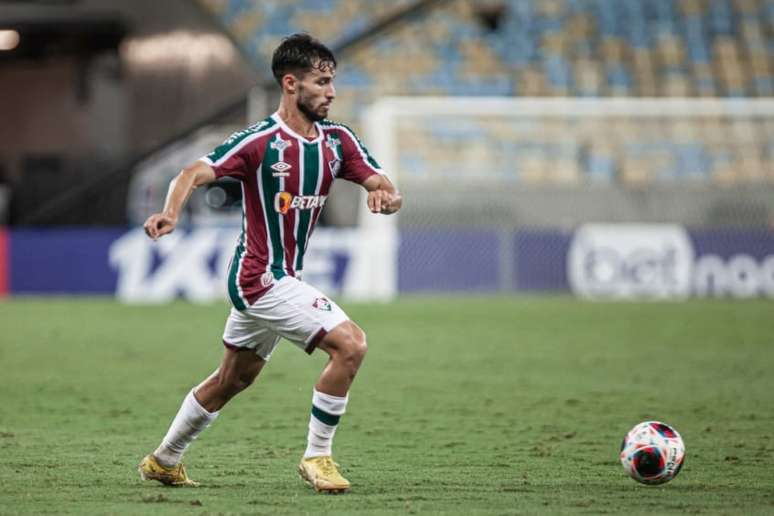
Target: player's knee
346,346
354,348
361,344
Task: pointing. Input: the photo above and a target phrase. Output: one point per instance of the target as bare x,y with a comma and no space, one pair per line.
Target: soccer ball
652,453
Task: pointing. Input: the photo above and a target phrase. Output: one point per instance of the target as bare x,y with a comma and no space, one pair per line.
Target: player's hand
159,225
382,201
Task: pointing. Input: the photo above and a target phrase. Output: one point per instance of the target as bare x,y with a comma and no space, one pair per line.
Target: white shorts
291,309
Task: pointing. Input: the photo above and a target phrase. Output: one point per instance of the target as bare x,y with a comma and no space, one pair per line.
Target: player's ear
289,83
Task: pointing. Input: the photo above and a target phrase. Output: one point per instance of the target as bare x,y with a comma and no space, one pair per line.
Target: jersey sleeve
357,164
233,158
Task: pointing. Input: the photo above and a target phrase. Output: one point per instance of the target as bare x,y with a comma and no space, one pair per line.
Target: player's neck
297,121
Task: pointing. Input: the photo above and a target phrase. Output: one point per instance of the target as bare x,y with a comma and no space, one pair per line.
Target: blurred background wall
90,85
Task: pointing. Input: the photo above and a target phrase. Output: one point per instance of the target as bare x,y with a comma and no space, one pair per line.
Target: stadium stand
552,48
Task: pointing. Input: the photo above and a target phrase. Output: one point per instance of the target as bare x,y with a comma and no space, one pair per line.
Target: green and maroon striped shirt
285,183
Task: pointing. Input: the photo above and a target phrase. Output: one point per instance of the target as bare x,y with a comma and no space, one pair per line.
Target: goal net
530,193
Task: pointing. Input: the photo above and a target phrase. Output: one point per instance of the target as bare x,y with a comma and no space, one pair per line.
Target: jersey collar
275,116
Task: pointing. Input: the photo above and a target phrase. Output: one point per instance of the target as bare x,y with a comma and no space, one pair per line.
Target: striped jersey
285,183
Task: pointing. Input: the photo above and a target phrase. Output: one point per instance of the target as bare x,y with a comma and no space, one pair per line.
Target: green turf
465,406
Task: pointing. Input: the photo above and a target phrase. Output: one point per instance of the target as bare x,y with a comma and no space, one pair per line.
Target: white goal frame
380,122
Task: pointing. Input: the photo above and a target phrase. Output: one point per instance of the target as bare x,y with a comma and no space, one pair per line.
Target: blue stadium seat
561,47
692,161
520,40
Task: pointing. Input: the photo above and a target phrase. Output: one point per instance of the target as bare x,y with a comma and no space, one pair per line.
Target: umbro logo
281,169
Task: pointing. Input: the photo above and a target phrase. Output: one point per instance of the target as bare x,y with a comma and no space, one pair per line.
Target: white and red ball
652,453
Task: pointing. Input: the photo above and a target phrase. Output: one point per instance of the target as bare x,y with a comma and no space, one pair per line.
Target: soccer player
286,164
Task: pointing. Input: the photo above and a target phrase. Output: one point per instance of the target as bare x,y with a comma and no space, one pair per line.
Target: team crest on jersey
333,144
267,278
322,303
335,166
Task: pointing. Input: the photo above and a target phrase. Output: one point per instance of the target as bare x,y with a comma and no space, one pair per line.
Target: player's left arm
383,197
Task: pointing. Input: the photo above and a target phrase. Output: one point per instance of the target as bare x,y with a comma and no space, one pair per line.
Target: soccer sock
326,411
189,422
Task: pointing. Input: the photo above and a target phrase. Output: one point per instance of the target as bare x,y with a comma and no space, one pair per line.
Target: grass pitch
463,406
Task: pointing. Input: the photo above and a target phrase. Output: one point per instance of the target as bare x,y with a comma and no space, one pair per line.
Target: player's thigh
244,333
298,312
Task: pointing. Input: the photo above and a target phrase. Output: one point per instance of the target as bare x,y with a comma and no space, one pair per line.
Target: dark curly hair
299,54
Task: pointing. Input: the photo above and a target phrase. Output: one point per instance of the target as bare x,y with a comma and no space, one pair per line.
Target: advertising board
594,262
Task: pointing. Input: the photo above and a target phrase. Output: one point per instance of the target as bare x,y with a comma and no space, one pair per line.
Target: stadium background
490,387
104,101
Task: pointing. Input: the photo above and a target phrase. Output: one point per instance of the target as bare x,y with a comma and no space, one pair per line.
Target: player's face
316,93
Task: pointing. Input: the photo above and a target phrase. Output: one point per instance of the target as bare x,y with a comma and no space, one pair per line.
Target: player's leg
249,345
346,346
305,316
237,371
199,409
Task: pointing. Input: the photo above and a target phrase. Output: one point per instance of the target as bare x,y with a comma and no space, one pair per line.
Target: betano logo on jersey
286,201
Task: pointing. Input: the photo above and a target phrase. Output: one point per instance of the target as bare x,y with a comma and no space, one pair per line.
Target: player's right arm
180,189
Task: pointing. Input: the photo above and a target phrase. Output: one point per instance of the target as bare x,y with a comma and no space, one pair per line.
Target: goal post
483,176
733,136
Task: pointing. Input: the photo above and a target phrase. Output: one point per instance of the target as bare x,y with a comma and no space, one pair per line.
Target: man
286,164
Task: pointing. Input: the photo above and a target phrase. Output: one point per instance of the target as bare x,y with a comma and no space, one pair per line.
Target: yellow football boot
323,474
150,469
